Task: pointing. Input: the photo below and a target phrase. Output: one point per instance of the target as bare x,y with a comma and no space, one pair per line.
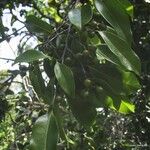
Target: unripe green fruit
78,56
58,98
87,83
99,89
85,93
91,34
68,60
85,53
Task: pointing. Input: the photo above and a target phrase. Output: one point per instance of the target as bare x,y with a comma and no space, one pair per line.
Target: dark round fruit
85,53
68,60
85,93
99,89
87,83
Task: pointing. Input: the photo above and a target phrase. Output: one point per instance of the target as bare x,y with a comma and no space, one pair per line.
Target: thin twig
8,59
17,82
55,32
65,19
11,48
57,35
16,17
8,36
66,45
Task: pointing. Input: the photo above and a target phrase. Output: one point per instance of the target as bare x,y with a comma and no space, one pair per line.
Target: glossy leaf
44,133
39,133
52,133
111,75
83,111
37,80
96,98
80,16
46,93
128,6
113,102
30,56
49,93
37,26
126,107
76,46
65,78
111,30
110,79
49,67
123,51
59,119
116,98
116,16
95,40
130,82
106,53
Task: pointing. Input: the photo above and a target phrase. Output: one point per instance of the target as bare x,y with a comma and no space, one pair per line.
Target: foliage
86,83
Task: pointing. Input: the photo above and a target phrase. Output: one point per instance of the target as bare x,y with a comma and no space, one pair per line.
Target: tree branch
8,59
66,45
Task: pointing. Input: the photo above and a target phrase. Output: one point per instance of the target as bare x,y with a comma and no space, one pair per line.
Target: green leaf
110,79
44,133
130,82
46,93
52,133
111,75
128,6
1,28
49,67
60,119
106,53
39,133
81,15
96,98
122,50
30,56
116,98
113,102
37,26
115,15
2,31
83,111
49,93
111,30
65,78
95,40
76,45
37,80
126,107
